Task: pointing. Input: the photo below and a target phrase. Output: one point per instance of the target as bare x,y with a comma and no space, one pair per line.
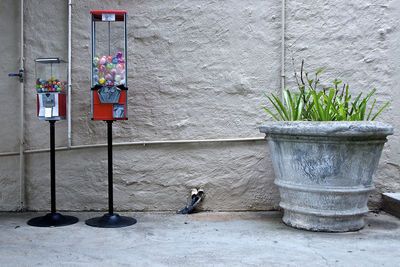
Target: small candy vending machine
108,71
109,92
51,85
51,76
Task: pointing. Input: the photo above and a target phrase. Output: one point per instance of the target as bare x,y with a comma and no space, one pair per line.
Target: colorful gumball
122,60
108,77
109,59
102,80
102,68
110,66
119,67
117,78
113,72
118,54
102,60
115,60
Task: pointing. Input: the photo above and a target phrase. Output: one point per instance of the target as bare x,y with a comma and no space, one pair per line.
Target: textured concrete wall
197,69
389,173
9,103
235,176
45,36
195,73
355,41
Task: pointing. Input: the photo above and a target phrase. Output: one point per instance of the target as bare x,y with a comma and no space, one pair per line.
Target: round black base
52,219
111,221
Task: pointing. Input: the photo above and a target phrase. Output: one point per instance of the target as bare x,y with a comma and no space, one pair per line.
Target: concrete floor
202,239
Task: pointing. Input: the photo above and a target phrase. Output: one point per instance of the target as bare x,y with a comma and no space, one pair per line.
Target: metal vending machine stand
51,77
109,91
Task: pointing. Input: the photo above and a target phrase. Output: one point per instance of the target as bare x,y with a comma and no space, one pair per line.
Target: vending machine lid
99,12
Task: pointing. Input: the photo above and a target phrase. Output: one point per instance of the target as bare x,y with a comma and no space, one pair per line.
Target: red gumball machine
108,70
109,92
51,85
51,77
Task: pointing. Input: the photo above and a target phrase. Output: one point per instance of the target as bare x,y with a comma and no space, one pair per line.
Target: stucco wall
197,70
355,41
9,104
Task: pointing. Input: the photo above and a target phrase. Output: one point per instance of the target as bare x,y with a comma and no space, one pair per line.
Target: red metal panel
104,111
101,111
62,105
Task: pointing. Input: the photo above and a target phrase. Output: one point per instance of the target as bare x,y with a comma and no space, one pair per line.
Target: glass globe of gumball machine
108,72
51,86
109,85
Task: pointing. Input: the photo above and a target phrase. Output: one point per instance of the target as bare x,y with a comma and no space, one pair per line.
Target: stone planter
325,171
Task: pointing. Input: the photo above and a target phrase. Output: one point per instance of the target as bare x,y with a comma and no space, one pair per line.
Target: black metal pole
110,169
111,219
52,167
53,218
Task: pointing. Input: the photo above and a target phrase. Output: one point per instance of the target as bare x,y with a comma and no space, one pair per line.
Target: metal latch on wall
20,74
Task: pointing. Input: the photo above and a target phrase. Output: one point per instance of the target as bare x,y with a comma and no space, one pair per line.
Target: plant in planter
325,153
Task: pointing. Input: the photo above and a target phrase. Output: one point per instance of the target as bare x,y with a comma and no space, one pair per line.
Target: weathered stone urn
325,171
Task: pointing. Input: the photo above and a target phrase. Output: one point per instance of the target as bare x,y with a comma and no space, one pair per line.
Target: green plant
291,109
328,104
